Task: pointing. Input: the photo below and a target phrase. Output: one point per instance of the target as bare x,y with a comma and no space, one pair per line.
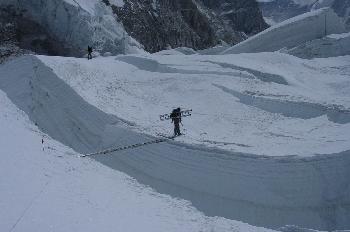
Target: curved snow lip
150,65
265,77
272,192
303,110
262,191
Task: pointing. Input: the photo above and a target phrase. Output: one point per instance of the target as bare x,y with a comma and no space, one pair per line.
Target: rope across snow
133,146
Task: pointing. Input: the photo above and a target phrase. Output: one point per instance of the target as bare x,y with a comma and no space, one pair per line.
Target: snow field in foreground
216,182
54,190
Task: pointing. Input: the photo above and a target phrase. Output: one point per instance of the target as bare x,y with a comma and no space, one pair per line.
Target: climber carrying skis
89,52
176,119
42,143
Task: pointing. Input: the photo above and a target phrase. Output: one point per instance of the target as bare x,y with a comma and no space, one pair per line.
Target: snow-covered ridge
292,32
339,36
78,23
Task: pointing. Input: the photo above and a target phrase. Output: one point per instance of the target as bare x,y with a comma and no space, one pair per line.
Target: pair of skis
183,113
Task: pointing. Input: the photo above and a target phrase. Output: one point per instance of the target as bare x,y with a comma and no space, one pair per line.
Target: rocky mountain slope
199,24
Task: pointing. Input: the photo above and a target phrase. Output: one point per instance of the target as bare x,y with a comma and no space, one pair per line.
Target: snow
119,3
139,89
177,51
332,45
248,109
55,190
339,36
91,5
214,50
87,5
270,21
304,2
292,32
268,142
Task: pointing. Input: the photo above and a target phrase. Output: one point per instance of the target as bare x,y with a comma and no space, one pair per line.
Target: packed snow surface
254,106
55,190
292,32
266,104
339,36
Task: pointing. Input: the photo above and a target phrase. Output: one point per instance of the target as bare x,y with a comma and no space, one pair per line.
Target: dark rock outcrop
161,24
167,23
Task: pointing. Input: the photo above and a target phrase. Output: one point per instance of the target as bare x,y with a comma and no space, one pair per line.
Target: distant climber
176,119
42,143
89,52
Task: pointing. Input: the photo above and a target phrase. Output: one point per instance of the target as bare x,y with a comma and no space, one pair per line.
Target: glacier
310,191
292,32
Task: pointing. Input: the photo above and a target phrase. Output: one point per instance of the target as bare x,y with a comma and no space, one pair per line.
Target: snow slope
292,32
54,190
292,190
268,102
332,45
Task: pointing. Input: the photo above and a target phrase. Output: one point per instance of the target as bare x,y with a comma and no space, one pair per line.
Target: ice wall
78,25
329,46
292,32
